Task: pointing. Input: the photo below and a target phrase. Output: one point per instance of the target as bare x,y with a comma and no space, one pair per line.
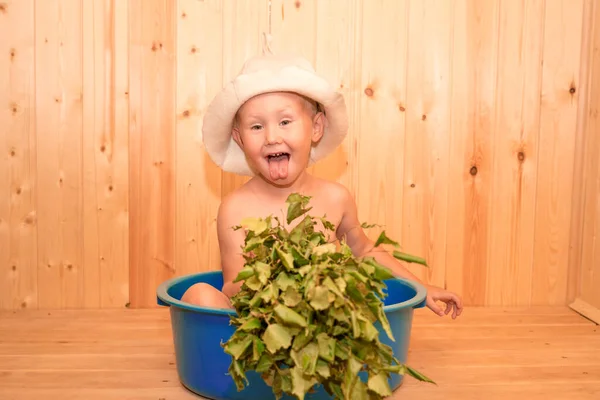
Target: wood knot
297,4
110,188
156,46
69,267
57,100
572,90
14,108
473,171
423,117
18,190
186,113
14,267
369,92
3,8
193,49
521,156
13,52
12,153
401,108
23,305
412,185
183,15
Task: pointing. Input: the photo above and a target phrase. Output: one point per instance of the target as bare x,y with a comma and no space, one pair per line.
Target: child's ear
318,127
235,132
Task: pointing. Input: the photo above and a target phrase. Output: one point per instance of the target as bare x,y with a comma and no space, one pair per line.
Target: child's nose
273,136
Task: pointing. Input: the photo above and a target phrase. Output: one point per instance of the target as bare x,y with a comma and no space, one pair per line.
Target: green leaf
253,243
286,259
326,347
245,273
291,297
378,383
417,375
321,299
256,225
289,316
307,358
383,239
327,224
297,206
237,373
264,271
239,347
284,281
276,336
323,369
258,348
327,248
250,325
253,283
298,257
264,363
301,384
409,258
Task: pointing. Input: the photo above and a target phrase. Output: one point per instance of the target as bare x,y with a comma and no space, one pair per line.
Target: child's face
276,132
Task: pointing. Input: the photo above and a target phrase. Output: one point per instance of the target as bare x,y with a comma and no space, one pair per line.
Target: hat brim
218,120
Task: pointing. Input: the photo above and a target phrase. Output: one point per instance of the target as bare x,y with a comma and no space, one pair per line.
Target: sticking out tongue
278,165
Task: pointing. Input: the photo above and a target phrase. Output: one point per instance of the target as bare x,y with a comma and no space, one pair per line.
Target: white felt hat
263,74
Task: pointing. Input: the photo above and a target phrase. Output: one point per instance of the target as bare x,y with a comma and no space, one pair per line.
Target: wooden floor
541,353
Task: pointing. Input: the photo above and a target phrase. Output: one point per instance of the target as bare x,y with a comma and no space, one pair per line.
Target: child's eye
285,122
255,127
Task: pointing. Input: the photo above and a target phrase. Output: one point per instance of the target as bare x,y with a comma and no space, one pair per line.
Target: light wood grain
588,300
152,147
381,96
198,180
475,67
18,222
59,119
105,154
560,100
515,144
472,139
465,357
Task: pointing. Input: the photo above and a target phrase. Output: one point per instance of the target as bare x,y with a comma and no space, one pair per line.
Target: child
276,118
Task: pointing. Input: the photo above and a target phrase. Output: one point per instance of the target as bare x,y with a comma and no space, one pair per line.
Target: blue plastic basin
202,364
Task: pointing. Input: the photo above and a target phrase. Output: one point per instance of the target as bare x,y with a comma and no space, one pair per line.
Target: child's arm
350,229
230,245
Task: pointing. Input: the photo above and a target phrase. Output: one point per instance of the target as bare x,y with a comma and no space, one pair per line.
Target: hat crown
271,62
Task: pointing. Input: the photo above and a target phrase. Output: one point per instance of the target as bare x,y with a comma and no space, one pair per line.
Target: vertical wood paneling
474,72
473,137
590,243
152,146
105,154
243,27
58,43
381,104
199,42
426,147
337,60
18,228
558,124
515,144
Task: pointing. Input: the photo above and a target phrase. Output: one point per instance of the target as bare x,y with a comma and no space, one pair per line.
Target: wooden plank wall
465,139
588,230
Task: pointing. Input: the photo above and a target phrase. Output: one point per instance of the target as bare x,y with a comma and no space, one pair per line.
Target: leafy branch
306,311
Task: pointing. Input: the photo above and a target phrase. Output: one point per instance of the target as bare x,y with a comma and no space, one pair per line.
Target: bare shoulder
337,193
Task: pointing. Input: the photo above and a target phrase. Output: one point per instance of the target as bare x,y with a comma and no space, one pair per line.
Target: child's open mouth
278,165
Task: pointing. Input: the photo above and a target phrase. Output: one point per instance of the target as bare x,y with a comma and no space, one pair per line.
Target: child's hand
453,301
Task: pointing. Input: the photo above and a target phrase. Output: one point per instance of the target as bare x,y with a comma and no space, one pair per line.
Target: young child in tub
271,122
